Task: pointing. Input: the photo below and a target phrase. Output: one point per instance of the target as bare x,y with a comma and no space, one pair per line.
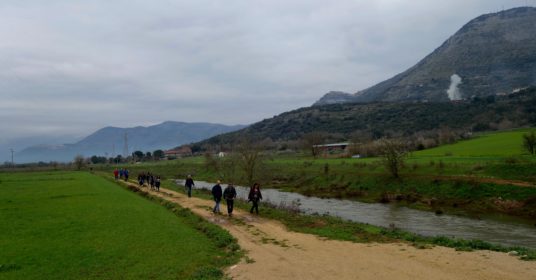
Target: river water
499,231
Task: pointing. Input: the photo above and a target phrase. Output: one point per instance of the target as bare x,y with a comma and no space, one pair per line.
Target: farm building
179,152
335,148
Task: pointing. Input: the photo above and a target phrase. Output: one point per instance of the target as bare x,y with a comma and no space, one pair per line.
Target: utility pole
125,147
12,162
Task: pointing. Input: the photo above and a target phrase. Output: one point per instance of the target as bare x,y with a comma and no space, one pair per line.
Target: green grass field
489,145
74,225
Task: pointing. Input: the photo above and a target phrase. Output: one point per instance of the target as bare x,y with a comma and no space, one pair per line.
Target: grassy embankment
74,225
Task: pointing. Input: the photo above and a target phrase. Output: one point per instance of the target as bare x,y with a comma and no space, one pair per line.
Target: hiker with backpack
254,196
229,194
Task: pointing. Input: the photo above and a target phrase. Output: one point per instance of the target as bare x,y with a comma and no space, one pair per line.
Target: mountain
378,119
20,143
493,54
110,140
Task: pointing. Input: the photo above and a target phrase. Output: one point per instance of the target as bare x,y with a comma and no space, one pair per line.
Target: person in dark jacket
189,184
254,196
146,178
217,194
140,179
157,183
229,194
152,182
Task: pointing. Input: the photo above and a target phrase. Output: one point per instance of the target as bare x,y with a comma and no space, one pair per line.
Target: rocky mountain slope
110,140
493,54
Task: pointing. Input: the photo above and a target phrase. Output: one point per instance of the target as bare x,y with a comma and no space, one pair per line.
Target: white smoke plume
453,91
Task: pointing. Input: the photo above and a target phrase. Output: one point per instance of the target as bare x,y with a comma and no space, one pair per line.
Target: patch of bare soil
273,252
490,180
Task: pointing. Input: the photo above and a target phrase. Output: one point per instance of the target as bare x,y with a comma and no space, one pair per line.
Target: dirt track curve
277,253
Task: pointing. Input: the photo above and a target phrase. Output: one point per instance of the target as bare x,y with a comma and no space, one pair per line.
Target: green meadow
75,225
494,145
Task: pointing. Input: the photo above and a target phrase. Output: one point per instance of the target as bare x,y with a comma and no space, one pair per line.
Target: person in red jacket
116,174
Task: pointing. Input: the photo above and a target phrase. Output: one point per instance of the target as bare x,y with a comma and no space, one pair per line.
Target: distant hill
162,136
492,54
393,118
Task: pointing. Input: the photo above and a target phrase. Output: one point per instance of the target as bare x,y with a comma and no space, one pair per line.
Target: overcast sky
71,67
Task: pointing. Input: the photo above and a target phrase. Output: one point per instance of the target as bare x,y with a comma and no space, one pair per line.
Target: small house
180,152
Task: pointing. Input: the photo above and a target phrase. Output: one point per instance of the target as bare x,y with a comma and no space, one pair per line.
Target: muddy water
497,230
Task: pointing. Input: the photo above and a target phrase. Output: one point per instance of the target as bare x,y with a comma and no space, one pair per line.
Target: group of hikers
229,194
121,174
151,180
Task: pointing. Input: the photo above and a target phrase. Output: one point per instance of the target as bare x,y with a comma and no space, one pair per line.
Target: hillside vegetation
376,120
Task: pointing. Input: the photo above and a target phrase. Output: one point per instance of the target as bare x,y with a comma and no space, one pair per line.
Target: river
503,231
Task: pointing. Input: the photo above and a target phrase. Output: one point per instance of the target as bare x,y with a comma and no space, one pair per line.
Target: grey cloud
70,67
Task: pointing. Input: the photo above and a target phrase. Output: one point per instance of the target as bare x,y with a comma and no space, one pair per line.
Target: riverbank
457,187
274,252
358,222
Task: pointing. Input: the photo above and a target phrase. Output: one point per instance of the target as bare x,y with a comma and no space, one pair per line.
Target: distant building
179,152
335,148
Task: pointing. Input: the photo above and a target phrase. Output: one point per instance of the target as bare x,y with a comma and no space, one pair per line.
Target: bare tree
393,153
529,142
312,140
79,162
250,157
229,166
211,163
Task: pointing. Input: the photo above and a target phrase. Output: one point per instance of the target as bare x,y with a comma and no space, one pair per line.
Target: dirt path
491,180
276,253
478,179
507,182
